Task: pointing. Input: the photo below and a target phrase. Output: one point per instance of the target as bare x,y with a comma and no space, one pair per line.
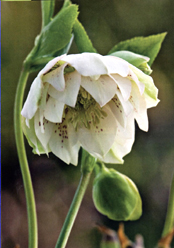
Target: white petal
118,111
140,109
124,85
96,77
116,65
50,64
64,143
44,96
125,104
54,110
123,143
87,64
69,95
31,104
27,122
99,138
134,77
102,89
44,135
56,78
150,91
30,134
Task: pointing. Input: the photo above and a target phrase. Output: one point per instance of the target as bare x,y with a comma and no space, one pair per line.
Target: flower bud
116,196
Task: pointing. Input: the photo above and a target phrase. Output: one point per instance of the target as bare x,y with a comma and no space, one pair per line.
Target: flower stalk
31,208
73,210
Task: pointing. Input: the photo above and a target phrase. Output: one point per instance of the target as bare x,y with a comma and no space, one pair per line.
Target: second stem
74,208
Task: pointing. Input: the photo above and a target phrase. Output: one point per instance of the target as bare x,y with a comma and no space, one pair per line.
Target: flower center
86,112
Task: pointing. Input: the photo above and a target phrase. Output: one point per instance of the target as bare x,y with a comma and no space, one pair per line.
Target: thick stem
31,209
169,222
74,208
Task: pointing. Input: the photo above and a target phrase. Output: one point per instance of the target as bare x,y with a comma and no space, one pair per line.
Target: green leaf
147,46
47,11
57,33
66,3
116,196
66,48
40,62
81,38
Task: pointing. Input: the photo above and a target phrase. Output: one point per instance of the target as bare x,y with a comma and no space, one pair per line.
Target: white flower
90,101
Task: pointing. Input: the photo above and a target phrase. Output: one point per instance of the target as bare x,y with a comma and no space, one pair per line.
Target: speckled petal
134,77
54,110
69,95
99,138
125,104
45,134
123,143
124,85
102,89
140,110
118,111
64,143
31,136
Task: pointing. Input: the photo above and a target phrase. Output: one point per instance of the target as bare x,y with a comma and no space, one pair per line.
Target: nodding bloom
87,100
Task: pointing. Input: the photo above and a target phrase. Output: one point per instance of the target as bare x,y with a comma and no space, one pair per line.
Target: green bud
135,59
116,196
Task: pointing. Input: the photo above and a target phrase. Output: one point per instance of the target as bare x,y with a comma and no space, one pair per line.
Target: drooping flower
87,100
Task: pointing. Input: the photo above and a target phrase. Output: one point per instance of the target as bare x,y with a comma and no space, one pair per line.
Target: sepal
135,59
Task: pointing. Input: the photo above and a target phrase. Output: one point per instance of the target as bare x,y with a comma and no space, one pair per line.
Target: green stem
74,208
169,222
31,209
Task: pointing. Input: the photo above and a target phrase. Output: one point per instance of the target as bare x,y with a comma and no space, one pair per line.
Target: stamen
86,111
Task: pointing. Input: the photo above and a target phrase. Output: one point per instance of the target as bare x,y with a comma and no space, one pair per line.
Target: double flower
87,100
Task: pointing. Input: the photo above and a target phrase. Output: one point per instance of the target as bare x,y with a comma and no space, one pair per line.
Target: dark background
150,164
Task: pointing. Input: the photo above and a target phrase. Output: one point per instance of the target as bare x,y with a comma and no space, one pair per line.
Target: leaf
81,38
66,48
39,63
57,33
47,11
147,46
67,3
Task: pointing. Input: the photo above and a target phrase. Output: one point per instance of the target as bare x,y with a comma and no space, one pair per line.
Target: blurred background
150,164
